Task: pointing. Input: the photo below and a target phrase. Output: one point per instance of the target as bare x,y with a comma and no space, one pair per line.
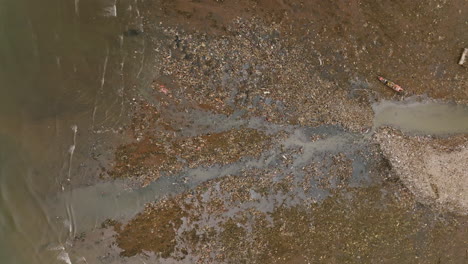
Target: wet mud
263,112
416,45
272,216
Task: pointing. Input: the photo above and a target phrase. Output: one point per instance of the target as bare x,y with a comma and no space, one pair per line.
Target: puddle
422,118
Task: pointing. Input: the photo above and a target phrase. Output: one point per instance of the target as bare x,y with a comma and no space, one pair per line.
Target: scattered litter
163,89
397,88
463,56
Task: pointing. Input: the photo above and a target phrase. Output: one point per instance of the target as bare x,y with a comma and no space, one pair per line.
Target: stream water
422,117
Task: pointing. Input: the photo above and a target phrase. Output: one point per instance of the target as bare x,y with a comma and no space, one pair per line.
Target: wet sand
262,112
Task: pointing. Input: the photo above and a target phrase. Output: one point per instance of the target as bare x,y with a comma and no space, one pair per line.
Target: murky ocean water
65,70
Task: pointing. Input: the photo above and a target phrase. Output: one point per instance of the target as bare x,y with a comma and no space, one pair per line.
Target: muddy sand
277,96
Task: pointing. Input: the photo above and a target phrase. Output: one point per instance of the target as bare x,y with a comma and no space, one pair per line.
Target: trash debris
163,89
397,88
463,56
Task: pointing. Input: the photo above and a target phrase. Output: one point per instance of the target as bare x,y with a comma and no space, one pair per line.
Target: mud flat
264,110
434,169
310,193
260,217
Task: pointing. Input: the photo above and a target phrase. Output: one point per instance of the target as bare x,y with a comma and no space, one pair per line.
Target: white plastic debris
463,56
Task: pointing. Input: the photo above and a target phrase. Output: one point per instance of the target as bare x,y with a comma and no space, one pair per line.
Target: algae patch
152,230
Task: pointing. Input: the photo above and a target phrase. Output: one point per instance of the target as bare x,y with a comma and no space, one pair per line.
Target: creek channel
92,205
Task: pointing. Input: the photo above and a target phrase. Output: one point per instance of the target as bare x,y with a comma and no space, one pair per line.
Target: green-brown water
65,66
